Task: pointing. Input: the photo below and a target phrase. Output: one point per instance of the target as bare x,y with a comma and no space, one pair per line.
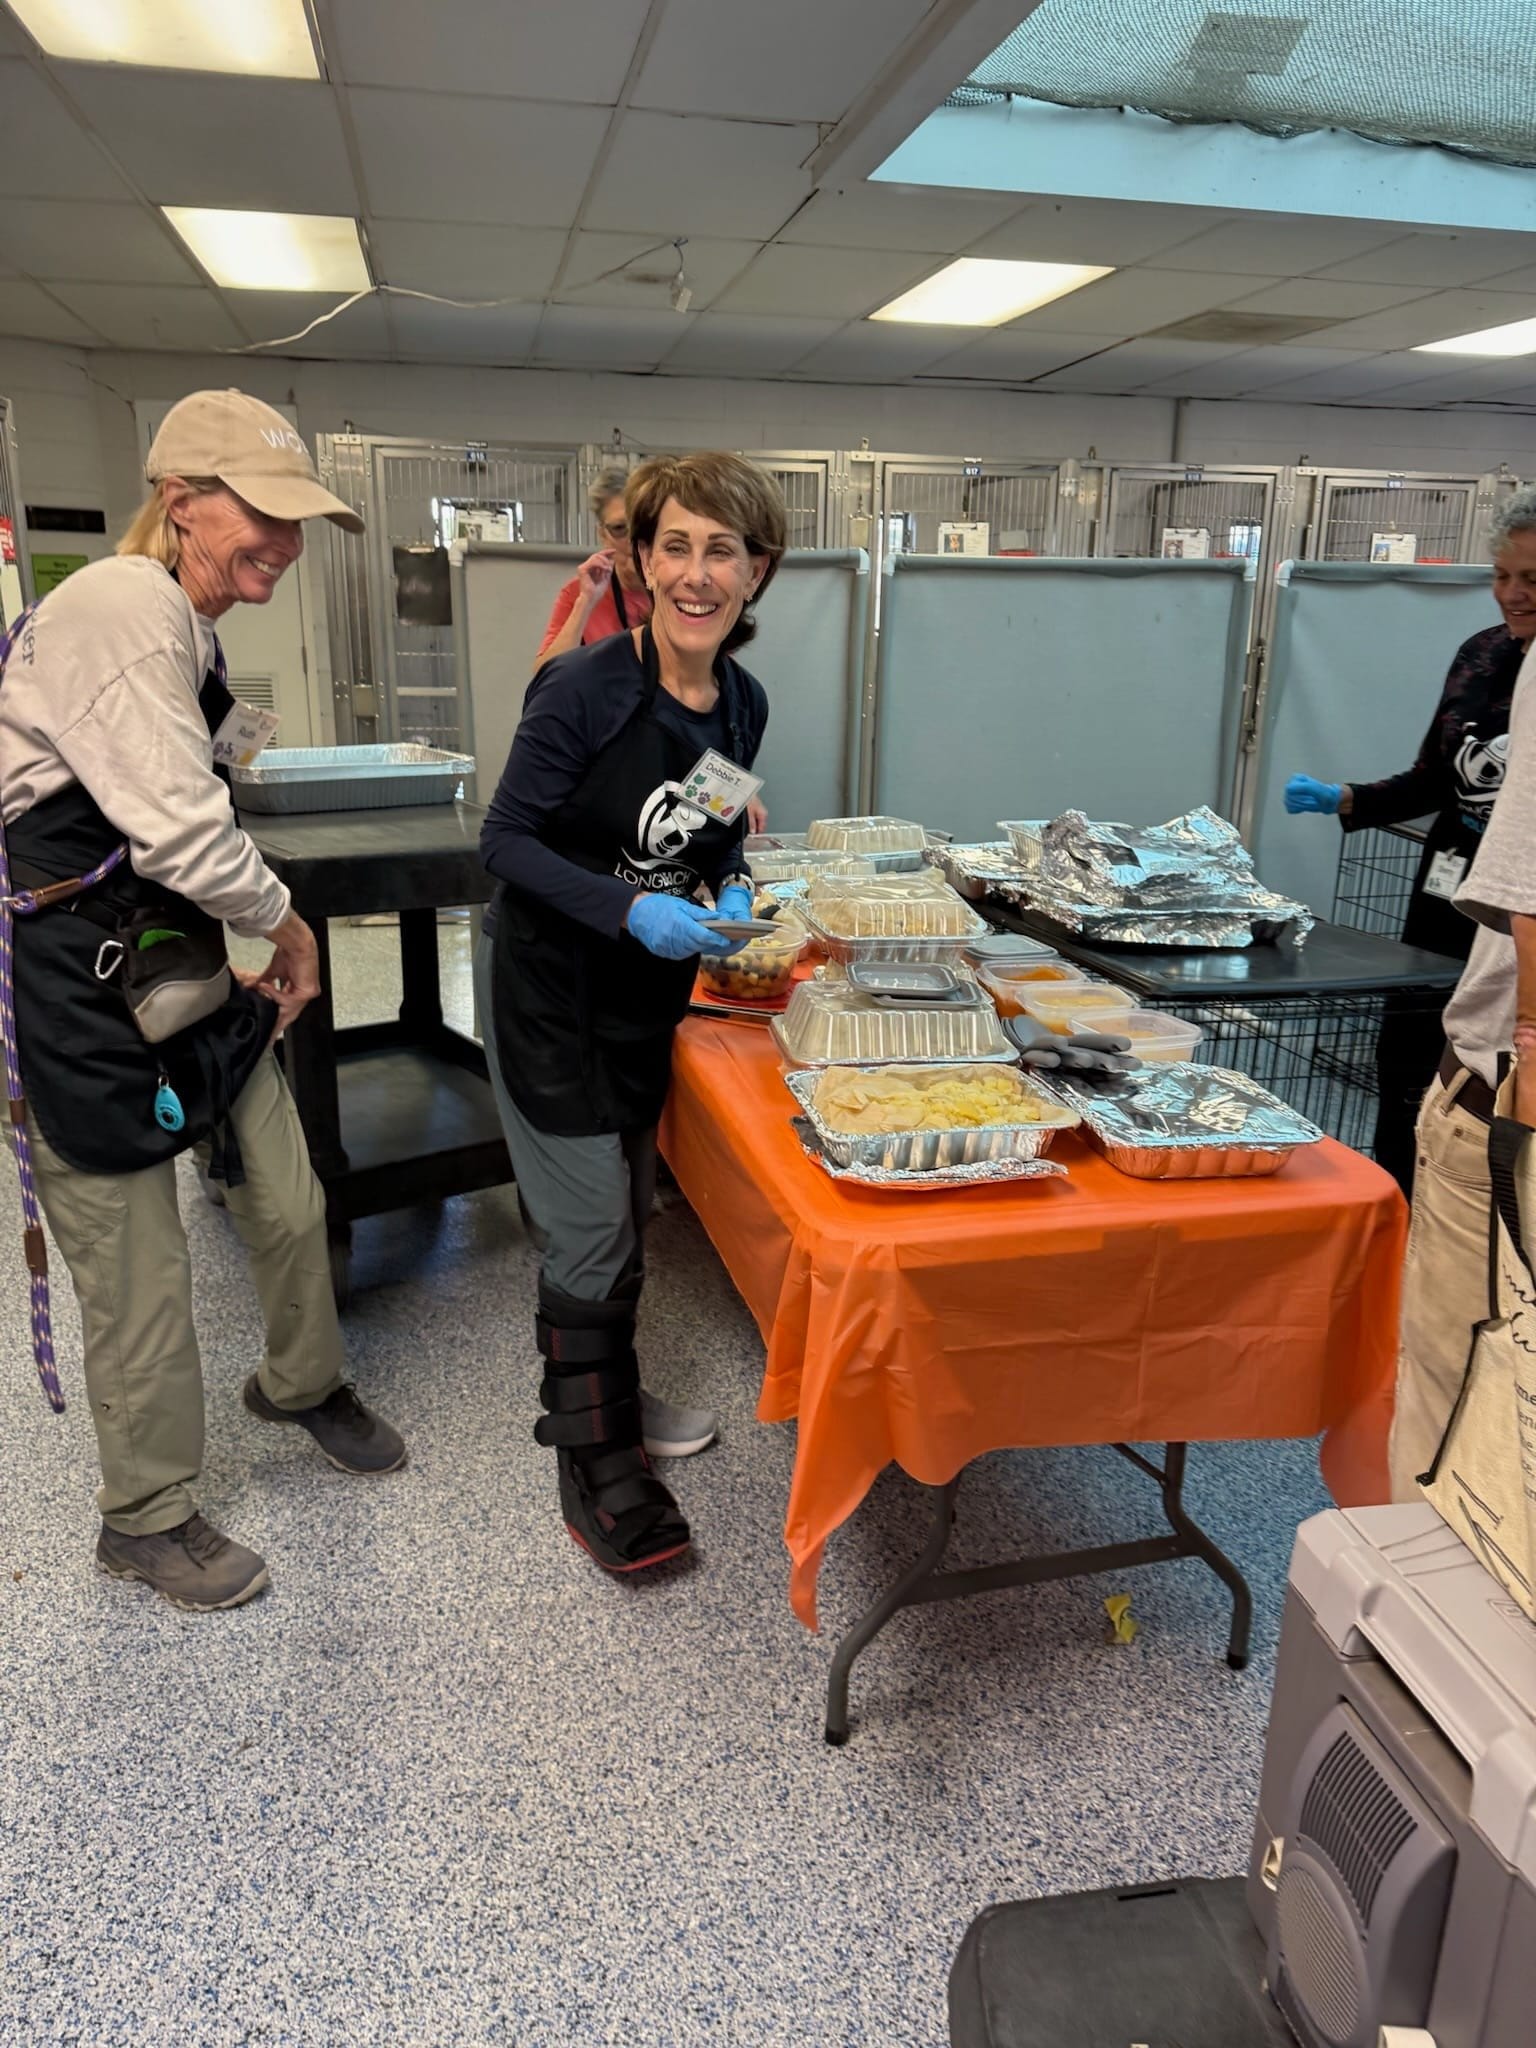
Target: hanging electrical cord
680,292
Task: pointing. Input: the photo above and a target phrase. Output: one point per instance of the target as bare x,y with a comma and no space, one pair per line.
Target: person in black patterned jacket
1455,779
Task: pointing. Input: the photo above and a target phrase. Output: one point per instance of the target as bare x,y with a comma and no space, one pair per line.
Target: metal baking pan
980,1173
372,778
933,1151
1265,1133
829,1024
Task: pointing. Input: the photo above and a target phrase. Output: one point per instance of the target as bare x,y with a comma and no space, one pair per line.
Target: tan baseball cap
245,444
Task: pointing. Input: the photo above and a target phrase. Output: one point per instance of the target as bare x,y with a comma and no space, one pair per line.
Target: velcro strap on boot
615,1422
562,1345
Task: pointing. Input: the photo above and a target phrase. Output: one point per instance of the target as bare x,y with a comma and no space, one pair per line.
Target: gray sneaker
670,1432
194,1565
350,1435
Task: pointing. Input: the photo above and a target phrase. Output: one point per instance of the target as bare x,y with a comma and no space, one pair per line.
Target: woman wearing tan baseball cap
112,699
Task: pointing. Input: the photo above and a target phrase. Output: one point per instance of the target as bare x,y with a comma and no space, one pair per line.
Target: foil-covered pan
981,1173
1182,1121
933,1151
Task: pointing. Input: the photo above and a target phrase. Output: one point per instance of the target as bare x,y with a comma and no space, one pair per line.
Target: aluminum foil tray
981,1173
1184,1122
373,778
933,1151
829,1024
869,835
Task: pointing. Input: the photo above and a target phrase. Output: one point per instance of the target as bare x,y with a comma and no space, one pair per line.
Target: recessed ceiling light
980,291
263,38
273,252
1517,339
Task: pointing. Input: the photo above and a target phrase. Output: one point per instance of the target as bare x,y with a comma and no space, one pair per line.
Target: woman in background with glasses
607,594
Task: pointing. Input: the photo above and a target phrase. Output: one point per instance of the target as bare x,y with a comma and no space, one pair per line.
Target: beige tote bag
1483,1480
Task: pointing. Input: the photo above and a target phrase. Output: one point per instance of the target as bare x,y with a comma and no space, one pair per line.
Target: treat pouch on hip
1483,1480
170,978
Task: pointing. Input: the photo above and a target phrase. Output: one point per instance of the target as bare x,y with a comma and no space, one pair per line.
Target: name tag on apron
718,787
1445,876
245,731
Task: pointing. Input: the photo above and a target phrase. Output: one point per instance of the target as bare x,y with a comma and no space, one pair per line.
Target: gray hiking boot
671,1432
194,1565
350,1435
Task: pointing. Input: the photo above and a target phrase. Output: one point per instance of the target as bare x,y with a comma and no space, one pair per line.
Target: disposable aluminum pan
1181,1121
932,1151
287,780
982,1173
829,1024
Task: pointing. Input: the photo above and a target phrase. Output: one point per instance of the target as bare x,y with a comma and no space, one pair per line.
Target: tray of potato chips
927,1119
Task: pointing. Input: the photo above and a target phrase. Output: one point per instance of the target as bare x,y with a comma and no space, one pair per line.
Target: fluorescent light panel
273,252
257,38
1518,338
982,291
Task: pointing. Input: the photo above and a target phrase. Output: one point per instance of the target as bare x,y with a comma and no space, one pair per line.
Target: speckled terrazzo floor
446,1785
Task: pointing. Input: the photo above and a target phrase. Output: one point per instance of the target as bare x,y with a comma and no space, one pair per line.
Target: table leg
1197,1544
874,1618
309,1054
421,990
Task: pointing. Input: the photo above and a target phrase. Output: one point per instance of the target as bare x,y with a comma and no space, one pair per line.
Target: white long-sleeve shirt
102,689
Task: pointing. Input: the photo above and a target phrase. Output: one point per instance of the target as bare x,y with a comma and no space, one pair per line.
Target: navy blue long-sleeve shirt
577,704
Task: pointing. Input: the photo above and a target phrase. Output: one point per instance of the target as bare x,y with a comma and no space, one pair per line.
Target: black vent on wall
1357,1821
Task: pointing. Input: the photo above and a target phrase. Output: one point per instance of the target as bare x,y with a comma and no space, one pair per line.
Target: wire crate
1375,879
1318,1053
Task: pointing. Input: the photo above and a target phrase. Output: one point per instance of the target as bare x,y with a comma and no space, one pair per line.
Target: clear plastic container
868,835
1008,949
1011,983
1155,1036
1068,1006
1024,836
933,929
760,972
927,885
805,863
829,1024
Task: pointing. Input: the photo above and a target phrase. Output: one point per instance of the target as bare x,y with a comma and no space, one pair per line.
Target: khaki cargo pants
1445,1281
122,1239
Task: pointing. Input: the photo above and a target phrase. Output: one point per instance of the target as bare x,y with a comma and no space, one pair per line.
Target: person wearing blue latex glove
1303,793
676,931
1453,783
624,800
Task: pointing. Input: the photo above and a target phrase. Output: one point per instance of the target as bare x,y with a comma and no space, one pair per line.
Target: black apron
584,1023
89,1075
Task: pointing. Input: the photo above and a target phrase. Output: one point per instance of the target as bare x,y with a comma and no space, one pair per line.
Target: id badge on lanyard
1445,876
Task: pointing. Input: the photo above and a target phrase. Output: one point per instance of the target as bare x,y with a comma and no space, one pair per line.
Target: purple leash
24,903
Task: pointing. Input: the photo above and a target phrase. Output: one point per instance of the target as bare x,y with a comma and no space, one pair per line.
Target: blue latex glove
672,929
1302,793
735,901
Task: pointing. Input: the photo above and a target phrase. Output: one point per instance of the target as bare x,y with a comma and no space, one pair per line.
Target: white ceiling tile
1283,245
800,61
580,50
436,156
91,242
1254,369
880,351
1435,318
1441,380
1365,376
734,345
44,153
153,316
362,330
464,260
12,42
502,335
1469,256
1015,355
27,313
702,177
1134,364
596,338
709,266
1523,280
189,139
898,217
1138,301
1325,298
1113,231
828,284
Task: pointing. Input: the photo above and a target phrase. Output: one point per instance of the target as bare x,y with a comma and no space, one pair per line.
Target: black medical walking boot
614,1505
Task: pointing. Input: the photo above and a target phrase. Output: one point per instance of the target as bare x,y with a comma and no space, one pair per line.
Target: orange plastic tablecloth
931,1328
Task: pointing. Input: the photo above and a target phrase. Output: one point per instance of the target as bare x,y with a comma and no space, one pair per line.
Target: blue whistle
169,1114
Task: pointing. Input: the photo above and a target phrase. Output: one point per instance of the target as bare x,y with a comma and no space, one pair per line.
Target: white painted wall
76,430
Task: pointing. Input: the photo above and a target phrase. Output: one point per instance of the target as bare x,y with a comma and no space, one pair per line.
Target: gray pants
122,1240
587,1200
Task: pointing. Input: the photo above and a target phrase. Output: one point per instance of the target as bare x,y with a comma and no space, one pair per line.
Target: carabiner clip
105,968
